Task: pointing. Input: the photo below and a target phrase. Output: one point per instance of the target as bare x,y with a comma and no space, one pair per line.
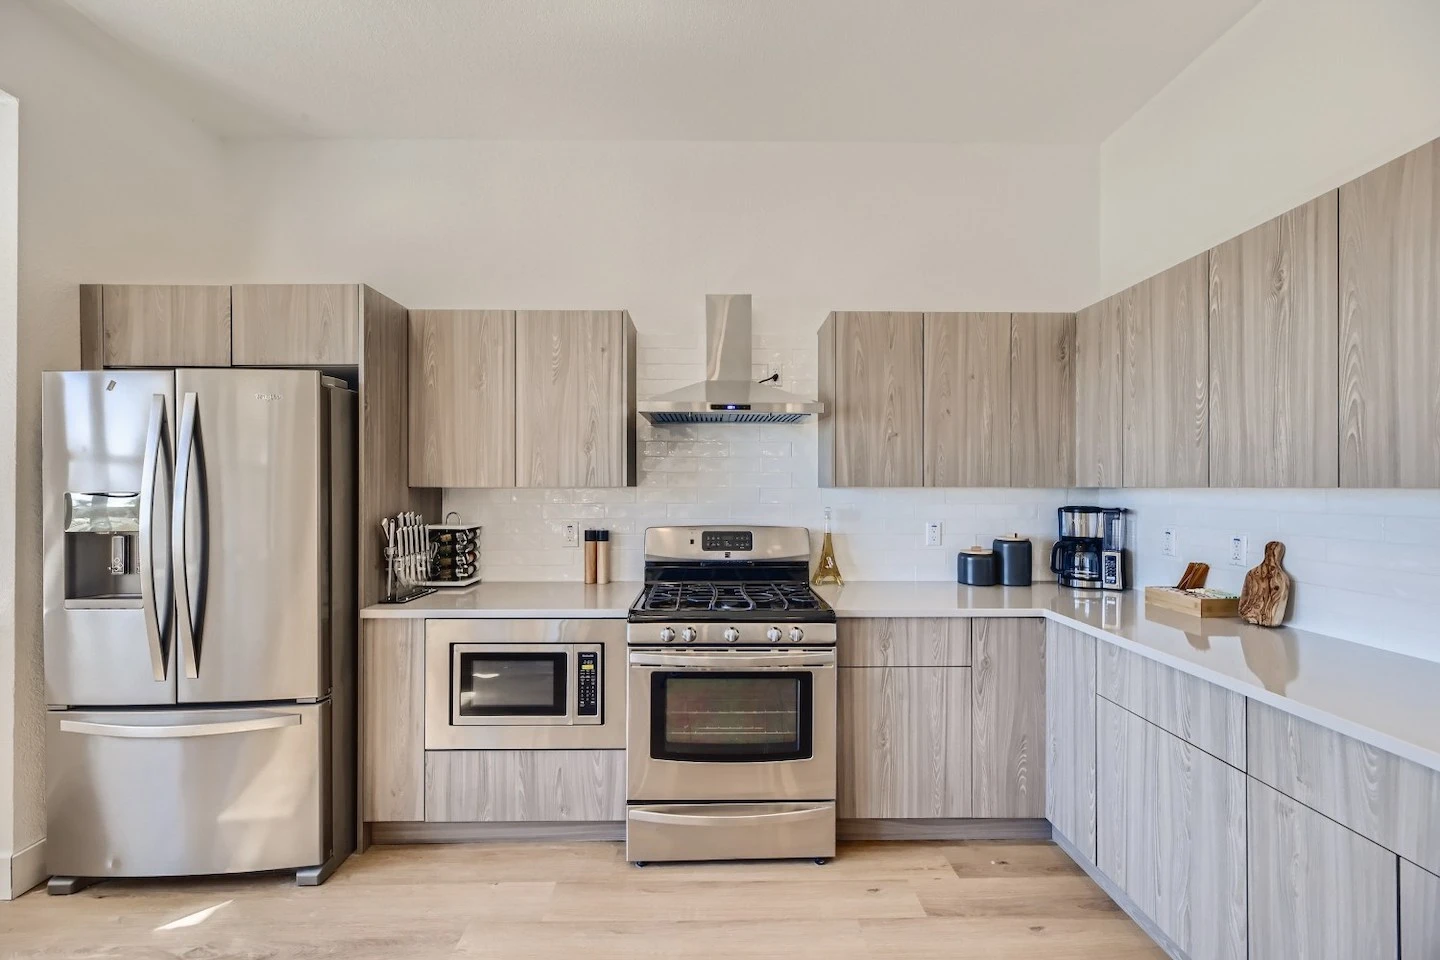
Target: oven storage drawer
729,831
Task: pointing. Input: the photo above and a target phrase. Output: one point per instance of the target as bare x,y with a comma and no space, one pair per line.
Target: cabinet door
1009,755
1419,913
1273,376
1317,890
871,379
507,786
1070,665
904,642
155,326
574,398
1389,311
296,325
904,744
1042,400
462,398
392,720
1167,376
1172,834
967,399
1099,362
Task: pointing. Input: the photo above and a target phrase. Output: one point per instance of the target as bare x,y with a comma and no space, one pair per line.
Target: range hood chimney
728,395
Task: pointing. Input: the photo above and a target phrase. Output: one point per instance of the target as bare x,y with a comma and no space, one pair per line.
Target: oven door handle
723,817
735,661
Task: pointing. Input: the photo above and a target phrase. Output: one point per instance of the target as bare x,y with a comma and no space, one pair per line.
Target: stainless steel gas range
731,732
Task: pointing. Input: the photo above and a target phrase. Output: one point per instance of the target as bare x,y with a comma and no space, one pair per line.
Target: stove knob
773,634
667,635
688,634
731,634
796,634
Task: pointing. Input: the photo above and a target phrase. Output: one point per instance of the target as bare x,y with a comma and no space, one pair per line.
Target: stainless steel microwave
524,684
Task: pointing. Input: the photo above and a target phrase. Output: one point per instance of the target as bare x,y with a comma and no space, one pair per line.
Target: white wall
9,279
113,186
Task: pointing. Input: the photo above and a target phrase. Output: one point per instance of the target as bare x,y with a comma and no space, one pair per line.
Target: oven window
511,685
736,717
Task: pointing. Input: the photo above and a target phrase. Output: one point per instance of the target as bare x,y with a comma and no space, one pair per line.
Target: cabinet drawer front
1210,717
1419,912
1386,798
295,325
517,785
904,642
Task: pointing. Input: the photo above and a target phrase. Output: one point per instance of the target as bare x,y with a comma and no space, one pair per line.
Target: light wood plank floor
875,901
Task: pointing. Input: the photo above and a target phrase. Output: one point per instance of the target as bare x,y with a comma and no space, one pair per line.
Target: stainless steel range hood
727,394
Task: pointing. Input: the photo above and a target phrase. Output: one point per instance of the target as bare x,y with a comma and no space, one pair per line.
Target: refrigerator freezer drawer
153,793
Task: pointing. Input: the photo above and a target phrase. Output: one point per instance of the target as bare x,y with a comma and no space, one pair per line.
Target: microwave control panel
588,673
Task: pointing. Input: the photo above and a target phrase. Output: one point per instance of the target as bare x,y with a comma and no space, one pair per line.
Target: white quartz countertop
1388,700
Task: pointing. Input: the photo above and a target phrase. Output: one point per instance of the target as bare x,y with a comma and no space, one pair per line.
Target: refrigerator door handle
170,731
184,464
156,443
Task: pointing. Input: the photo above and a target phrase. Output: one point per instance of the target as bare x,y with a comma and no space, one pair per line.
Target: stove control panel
732,634
727,540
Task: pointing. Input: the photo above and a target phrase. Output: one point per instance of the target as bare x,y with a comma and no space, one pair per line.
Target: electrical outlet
572,534
1168,546
1239,550
932,534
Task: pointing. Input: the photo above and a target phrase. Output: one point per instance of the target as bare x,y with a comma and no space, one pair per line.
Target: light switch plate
932,534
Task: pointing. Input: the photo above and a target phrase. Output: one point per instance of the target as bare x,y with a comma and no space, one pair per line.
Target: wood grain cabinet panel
1388,799
1390,324
1166,380
1070,734
1196,711
1099,386
1274,320
518,785
574,398
392,720
462,398
296,325
165,326
1042,400
1172,834
904,642
904,742
871,375
1317,890
1009,750
1419,913
968,399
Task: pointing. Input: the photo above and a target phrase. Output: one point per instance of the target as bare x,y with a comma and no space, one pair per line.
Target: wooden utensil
1267,589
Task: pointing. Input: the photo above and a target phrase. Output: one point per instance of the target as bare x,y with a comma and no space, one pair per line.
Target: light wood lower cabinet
904,642
1209,716
518,785
164,326
1070,734
1419,913
1317,890
392,720
1171,834
904,742
1008,657
295,324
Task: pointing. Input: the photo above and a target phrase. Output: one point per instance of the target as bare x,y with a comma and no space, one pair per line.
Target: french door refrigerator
199,622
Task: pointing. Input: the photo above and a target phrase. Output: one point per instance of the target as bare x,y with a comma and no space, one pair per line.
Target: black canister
976,567
1012,556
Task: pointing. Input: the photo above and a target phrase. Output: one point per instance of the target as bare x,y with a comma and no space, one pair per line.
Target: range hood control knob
688,634
796,634
731,634
773,634
667,635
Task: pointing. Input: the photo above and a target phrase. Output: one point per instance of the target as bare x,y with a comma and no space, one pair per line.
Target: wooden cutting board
1267,589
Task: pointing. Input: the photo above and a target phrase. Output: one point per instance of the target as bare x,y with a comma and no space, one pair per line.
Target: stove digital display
727,540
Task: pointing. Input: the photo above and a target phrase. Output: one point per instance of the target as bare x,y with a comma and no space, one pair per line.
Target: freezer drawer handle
728,819
156,443
185,447
173,730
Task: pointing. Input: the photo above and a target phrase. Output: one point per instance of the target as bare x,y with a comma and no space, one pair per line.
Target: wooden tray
1201,602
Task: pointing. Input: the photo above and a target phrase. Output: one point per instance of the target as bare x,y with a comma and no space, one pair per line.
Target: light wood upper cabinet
462,398
1070,664
574,398
967,400
1099,362
1273,375
1042,400
1171,834
1166,380
1008,656
392,720
871,376
165,326
296,325
1317,890
904,742
1390,324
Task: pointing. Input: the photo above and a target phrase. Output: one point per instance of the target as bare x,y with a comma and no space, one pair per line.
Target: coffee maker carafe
1090,552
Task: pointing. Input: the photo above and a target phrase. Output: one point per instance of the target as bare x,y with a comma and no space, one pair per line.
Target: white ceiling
1034,71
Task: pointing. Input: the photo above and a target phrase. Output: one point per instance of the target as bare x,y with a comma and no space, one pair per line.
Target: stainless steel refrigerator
199,622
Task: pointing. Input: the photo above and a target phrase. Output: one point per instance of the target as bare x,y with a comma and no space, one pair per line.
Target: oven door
731,725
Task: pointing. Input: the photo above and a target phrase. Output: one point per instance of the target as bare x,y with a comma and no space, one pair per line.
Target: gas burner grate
684,596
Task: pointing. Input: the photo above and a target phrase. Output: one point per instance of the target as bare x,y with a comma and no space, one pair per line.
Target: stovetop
742,601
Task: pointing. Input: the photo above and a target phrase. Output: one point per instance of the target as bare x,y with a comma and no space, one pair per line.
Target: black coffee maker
1090,553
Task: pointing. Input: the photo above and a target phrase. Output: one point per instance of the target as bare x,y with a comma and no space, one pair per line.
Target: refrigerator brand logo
269,396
